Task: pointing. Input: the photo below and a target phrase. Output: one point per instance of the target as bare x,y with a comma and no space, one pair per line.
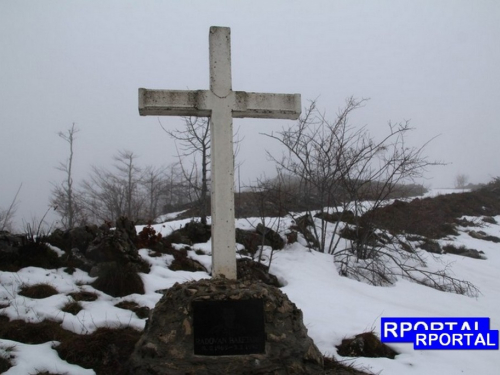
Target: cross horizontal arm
200,103
173,103
264,105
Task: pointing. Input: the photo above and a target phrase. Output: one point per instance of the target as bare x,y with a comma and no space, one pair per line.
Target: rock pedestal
172,336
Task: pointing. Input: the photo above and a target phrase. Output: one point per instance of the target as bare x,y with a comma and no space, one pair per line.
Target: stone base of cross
221,104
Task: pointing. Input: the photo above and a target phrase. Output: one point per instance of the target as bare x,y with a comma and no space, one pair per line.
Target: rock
127,228
247,269
480,235
192,232
463,251
118,246
345,216
79,238
248,238
272,238
182,262
365,345
10,242
301,225
431,246
9,251
261,236
167,344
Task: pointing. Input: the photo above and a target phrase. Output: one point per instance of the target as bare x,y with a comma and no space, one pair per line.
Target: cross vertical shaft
222,157
221,104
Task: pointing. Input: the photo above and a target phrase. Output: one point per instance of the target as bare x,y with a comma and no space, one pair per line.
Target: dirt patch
434,217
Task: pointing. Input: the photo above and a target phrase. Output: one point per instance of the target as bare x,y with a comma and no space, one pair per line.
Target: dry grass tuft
72,307
38,291
106,351
33,333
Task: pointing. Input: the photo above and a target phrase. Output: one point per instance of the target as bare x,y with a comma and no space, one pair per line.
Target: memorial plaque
228,327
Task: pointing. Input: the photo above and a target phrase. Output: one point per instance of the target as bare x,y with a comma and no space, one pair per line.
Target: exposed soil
435,217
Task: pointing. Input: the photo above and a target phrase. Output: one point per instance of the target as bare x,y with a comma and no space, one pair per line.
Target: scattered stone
247,269
250,239
261,236
463,251
431,246
345,216
127,228
271,237
182,262
118,246
142,312
463,222
192,232
365,345
480,235
301,225
489,220
79,238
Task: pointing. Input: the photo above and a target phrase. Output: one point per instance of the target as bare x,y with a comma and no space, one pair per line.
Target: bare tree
153,182
6,216
130,174
342,166
349,173
318,153
109,195
461,180
64,198
195,141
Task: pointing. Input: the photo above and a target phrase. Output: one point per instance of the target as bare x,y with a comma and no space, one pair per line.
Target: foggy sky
435,63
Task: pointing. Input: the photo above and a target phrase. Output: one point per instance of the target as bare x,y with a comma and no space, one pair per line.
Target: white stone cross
221,104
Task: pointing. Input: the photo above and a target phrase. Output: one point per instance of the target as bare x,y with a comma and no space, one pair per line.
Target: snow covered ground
334,307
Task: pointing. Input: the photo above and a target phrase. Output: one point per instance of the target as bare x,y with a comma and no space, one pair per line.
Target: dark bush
4,364
38,254
148,238
118,280
192,232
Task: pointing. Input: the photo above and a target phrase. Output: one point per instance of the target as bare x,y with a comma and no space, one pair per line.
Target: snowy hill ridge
334,307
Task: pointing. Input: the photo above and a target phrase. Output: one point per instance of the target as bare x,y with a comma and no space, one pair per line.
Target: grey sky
433,62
